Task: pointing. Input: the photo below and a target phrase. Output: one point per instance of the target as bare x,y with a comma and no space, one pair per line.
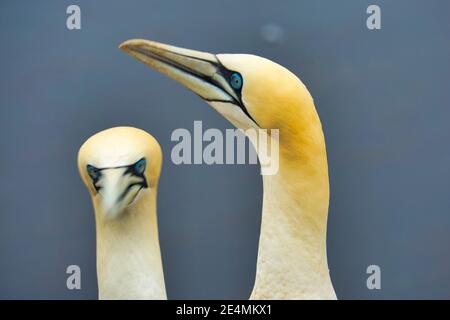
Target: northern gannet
120,167
253,92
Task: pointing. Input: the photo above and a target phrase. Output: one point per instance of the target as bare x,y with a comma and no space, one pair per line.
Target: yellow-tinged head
249,91
119,166
272,95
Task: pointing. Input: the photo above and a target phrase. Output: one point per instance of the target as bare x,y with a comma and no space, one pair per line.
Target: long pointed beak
112,186
201,72
117,190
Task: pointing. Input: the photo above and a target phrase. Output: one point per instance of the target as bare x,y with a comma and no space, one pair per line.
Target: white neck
129,264
292,258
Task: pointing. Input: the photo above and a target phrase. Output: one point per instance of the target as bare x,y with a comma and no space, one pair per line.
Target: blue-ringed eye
236,81
93,172
139,166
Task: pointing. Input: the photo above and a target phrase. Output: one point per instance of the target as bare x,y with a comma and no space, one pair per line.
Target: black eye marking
236,82
95,174
136,169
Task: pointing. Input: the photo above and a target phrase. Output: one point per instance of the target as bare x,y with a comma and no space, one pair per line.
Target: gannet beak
199,71
116,191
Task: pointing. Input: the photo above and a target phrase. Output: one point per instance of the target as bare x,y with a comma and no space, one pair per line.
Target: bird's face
118,166
249,91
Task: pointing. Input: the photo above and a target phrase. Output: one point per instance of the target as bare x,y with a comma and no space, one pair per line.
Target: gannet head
249,91
119,166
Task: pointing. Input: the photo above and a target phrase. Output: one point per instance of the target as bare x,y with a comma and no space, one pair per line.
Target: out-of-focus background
383,97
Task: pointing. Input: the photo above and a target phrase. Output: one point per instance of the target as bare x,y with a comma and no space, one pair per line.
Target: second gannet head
119,167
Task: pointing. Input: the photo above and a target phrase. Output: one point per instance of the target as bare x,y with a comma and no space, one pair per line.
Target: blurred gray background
383,97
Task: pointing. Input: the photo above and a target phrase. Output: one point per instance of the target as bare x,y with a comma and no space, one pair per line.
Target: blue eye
139,166
236,81
93,172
